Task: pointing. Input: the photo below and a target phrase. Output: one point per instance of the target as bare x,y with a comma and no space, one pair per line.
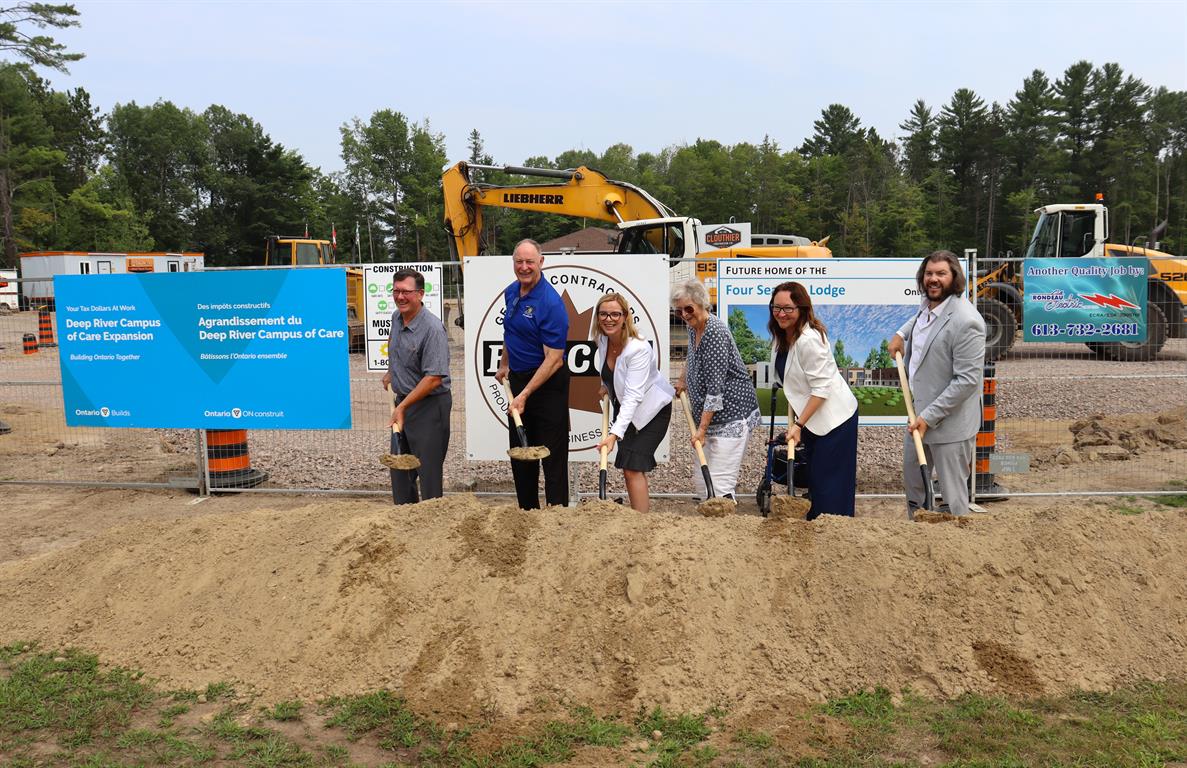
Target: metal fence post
970,255
203,467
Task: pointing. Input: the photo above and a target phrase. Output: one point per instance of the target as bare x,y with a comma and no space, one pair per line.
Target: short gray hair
528,241
694,291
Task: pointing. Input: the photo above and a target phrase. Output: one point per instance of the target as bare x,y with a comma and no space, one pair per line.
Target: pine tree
37,49
919,147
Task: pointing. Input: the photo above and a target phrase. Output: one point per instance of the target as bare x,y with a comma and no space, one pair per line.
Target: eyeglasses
779,309
609,315
402,292
688,309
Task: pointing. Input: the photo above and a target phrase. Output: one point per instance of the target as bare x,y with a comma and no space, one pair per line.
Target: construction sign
861,302
580,281
1084,300
243,349
377,283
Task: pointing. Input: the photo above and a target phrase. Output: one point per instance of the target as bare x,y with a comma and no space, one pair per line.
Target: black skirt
636,449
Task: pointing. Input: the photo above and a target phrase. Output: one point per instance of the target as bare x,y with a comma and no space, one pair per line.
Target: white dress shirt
924,323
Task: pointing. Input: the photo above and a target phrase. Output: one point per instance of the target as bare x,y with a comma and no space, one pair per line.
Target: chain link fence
1066,421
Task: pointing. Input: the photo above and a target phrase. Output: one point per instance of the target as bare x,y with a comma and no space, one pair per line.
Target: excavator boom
579,193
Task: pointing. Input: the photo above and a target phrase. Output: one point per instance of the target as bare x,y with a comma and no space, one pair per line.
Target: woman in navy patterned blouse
720,392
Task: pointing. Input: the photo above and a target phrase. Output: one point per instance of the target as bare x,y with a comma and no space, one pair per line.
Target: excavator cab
658,236
280,251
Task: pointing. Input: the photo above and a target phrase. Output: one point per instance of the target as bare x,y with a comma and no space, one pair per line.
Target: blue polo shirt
533,322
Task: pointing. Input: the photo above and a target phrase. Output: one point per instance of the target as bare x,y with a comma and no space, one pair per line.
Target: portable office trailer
46,264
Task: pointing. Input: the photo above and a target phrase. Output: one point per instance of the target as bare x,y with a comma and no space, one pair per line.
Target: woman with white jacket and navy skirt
642,398
824,406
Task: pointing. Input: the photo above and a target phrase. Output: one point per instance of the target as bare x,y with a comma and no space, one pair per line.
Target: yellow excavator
645,224
306,252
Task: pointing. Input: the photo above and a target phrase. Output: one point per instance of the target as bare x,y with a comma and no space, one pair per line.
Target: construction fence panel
1064,421
37,446
1093,417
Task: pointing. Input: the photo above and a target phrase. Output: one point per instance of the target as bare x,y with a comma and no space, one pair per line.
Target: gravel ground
1048,382
1044,385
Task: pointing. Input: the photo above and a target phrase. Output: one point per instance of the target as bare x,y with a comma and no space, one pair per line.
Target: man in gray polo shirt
418,375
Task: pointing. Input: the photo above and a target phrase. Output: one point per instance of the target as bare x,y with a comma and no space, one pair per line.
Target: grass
871,401
1126,507
764,401
66,709
1178,501
285,711
880,401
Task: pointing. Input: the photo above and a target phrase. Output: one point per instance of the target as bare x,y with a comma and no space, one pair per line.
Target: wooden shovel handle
907,401
692,427
514,414
605,429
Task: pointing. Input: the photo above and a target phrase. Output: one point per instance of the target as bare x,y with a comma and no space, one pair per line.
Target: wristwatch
799,424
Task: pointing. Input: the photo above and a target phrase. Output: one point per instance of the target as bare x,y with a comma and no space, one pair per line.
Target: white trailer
39,268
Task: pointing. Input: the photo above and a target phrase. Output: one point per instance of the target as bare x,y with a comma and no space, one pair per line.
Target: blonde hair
628,330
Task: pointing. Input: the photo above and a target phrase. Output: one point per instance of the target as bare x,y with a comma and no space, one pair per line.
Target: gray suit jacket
947,385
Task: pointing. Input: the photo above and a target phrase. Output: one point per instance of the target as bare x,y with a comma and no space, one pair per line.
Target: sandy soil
467,607
470,606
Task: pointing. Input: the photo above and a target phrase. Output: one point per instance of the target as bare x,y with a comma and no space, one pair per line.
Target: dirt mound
469,608
1117,438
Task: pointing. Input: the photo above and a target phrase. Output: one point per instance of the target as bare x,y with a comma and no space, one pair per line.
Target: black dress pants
546,421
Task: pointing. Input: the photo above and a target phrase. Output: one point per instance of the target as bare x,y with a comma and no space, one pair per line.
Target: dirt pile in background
1121,437
469,608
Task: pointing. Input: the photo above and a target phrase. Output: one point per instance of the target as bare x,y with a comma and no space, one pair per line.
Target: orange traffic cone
45,328
229,461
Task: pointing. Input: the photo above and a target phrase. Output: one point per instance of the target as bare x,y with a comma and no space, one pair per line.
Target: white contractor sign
580,281
377,283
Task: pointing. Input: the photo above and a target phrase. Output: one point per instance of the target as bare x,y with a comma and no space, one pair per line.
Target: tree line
964,174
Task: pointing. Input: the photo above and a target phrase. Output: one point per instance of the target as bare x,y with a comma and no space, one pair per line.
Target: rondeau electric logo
579,287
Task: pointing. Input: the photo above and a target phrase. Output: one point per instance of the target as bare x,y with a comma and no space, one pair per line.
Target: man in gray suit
944,349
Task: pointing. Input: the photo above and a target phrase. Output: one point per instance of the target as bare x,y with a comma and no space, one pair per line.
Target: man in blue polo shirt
535,331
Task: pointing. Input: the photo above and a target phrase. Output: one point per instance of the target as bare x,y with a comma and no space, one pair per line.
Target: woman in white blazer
824,406
642,398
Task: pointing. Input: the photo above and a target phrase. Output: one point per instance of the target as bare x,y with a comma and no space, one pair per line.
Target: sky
540,78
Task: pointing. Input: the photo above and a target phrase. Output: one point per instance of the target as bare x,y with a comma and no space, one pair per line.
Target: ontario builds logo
580,286
723,237
103,412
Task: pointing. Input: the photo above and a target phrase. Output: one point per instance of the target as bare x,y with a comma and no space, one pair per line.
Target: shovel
710,507
398,460
524,452
929,499
763,496
790,507
605,451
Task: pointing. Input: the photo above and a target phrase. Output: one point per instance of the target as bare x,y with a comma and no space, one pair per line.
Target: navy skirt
832,469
